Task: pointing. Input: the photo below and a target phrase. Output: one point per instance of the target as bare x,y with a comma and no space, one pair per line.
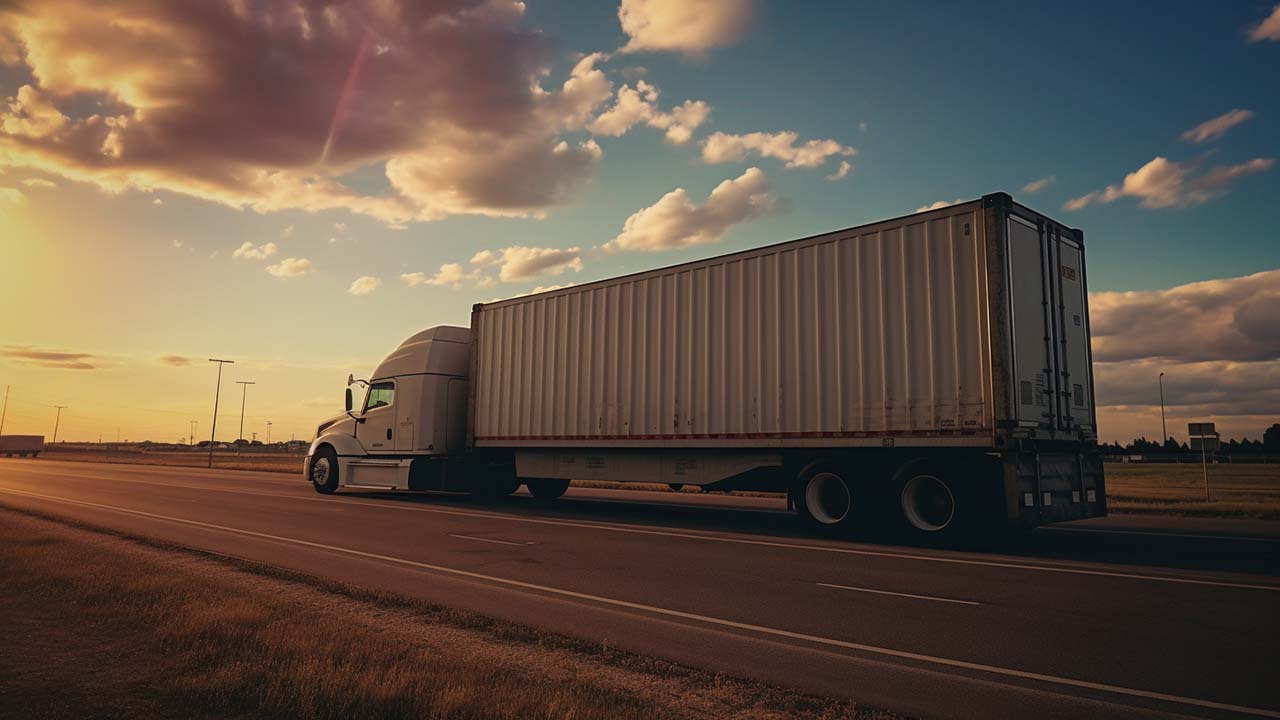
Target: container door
1033,351
1073,323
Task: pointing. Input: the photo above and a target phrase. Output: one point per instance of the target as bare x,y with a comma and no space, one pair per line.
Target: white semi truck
931,371
21,445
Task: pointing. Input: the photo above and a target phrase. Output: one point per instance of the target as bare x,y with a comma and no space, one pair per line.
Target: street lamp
245,385
1164,432
216,393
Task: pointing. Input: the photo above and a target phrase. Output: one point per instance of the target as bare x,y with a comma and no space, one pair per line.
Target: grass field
226,459
154,631
1236,490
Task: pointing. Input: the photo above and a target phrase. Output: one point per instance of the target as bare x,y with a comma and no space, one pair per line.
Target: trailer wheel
324,471
931,502
825,497
676,487
546,488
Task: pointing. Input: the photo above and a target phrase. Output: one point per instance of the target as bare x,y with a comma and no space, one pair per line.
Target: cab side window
381,394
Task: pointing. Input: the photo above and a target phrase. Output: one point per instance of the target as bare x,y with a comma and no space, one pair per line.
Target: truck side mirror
348,399
351,379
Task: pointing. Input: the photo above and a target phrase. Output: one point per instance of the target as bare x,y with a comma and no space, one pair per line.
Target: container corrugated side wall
840,339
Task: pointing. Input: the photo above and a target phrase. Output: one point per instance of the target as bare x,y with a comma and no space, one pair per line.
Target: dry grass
225,459
1235,490
101,626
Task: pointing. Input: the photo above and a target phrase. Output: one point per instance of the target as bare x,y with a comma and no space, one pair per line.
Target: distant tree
1271,439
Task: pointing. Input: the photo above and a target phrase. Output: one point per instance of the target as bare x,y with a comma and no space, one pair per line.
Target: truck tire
932,504
825,497
546,488
324,471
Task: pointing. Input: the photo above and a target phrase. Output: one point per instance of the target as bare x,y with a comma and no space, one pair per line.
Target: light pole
56,421
216,393
192,440
244,384
6,409
268,432
1164,432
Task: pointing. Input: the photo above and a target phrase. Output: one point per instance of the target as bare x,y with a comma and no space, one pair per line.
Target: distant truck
932,372
21,445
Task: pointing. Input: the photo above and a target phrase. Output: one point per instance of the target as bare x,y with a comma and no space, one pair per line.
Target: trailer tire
323,470
546,488
932,503
826,497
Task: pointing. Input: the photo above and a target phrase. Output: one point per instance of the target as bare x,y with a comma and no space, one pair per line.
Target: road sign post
1206,436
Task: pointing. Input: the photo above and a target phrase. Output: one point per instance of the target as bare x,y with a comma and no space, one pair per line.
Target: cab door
376,432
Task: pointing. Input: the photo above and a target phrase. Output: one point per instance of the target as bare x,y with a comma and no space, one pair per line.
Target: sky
297,186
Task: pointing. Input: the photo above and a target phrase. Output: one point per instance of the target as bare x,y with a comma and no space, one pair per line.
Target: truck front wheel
324,471
546,488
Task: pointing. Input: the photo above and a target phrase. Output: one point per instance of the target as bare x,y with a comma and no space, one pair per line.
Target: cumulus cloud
1268,28
684,26
842,171
177,360
724,148
11,197
50,357
675,221
1164,183
1217,341
523,263
364,285
512,264
450,274
1036,186
939,204
290,267
637,105
39,183
447,97
1232,319
249,251
1217,127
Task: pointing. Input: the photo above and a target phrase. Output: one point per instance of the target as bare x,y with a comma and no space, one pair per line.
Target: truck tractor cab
413,409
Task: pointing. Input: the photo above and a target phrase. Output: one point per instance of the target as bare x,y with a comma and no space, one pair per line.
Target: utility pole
191,441
1164,432
255,436
6,409
216,393
56,422
244,384
268,432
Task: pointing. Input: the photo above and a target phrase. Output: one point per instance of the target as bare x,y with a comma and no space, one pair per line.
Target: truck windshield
380,395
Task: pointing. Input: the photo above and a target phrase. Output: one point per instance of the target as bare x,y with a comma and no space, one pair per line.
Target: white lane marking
898,594
632,529
489,540
707,619
1157,533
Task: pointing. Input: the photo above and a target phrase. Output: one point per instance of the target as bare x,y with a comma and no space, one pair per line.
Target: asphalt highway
1117,617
